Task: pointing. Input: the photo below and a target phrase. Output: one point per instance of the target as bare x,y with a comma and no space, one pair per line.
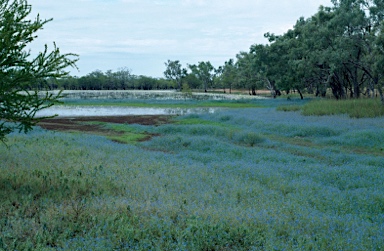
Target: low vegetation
355,108
238,179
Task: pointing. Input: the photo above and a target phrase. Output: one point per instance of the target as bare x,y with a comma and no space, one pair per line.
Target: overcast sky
143,34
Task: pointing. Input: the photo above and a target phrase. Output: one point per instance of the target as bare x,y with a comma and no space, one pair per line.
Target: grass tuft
248,138
289,108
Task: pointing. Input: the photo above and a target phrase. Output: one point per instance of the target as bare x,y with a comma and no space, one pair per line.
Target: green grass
194,125
354,108
122,133
126,133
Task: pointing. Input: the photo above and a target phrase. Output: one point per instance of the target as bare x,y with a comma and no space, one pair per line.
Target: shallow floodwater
81,111
155,95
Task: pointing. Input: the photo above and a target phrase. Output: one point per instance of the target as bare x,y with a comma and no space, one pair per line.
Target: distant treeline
123,79
119,80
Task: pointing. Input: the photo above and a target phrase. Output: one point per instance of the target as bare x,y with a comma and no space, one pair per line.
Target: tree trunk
380,89
301,95
271,87
356,89
253,91
337,87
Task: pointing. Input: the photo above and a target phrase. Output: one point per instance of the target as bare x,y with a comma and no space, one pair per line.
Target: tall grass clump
238,179
355,108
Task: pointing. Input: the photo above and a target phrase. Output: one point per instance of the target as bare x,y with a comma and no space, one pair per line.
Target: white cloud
142,33
194,3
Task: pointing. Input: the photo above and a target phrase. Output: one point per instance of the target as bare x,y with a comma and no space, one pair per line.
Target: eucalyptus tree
205,72
371,63
305,58
334,48
326,55
339,48
145,83
284,58
378,66
353,41
111,80
123,78
268,64
247,72
298,76
217,78
228,75
95,80
21,72
192,81
344,49
194,76
175,72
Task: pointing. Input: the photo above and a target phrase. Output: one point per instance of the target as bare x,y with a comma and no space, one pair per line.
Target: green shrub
316,131
186,89
248,138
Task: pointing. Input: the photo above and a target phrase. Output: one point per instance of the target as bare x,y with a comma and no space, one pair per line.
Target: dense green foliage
20,72
238,179
339,48
204,72
174,72
122,79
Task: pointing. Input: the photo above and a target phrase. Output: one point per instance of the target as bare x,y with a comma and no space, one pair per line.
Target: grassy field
239,179
354,108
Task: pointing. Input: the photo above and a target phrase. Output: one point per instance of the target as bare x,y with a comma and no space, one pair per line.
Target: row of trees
340,48
201,76
122,79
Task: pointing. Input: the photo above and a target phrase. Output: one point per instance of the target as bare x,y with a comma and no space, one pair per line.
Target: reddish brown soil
79,123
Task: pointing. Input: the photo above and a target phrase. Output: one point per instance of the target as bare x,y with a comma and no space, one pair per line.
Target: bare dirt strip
80,124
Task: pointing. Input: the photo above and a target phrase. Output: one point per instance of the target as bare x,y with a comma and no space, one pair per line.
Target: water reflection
81,111
153,95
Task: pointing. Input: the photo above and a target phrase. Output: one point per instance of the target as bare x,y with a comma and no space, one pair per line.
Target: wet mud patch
96,125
